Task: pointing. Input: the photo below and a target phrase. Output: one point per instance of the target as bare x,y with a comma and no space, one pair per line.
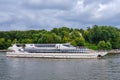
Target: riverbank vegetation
96,37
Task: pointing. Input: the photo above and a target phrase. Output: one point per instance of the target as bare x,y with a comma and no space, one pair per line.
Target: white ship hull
59,51
56,55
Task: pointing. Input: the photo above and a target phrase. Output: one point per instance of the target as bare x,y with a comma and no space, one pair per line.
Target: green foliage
78,42
102,45
26,41
74,34
2,42
15,41
8,43
106,33
49,38
91,46
96,37
66,39
108,45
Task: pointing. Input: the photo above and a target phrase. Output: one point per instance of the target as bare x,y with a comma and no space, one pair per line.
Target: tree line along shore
95,37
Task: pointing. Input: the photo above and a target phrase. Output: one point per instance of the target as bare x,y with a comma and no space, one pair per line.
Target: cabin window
20,45
45,45
31,45
67,45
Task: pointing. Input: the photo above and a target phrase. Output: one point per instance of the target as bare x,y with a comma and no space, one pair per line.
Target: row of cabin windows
44,45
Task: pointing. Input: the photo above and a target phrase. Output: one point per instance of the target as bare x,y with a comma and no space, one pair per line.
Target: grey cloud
46,14
50,4
94,13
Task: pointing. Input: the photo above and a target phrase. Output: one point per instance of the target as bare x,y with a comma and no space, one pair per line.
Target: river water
107,68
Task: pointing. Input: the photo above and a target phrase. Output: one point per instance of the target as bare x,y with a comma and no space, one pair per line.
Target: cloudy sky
47,14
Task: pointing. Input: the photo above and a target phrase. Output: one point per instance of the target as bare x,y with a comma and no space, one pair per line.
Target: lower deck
54,55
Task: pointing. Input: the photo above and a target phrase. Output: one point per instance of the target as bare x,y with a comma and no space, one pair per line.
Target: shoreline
3,50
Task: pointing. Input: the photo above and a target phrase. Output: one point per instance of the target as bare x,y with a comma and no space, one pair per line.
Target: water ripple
54,69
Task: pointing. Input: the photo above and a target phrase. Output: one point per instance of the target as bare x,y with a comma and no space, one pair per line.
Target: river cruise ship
59,51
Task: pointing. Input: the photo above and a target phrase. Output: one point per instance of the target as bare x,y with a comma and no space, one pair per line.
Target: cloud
49,4
47,14
101,13
107,10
